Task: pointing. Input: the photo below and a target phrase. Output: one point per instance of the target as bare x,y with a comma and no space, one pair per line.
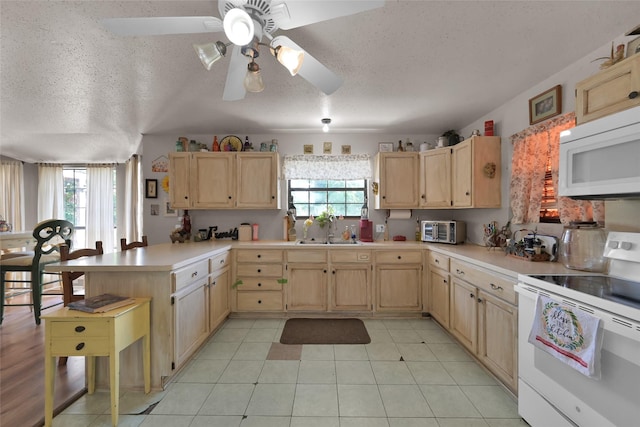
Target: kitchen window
319,181
311,197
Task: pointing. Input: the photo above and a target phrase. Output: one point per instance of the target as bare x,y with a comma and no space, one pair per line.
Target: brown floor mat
324,331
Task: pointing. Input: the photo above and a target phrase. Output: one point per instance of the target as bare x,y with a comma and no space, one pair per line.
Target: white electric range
551,393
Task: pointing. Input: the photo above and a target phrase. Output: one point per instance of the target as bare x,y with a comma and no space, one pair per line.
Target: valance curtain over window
308,166
531,148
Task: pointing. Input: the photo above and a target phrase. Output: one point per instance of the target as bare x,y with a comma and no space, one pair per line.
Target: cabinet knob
466,193
399,257
229,197
259,270
333,272
325,271
437,261
259,256
259,284
273,197
444,280
472,296
80,346
633,95
186,197
259,301
480,300
214,283
80,328
384,197
423,196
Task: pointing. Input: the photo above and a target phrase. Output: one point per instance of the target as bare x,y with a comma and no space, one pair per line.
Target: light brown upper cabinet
615,89
206,180
476,171
397,175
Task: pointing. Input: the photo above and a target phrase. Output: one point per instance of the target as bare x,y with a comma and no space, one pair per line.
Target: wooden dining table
17,239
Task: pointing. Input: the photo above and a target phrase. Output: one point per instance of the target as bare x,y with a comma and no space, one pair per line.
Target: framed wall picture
168,210
151,188
545,105
384,147
308,149
633,47
326,148
346,149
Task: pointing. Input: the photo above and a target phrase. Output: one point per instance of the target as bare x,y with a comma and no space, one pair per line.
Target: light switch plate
379,228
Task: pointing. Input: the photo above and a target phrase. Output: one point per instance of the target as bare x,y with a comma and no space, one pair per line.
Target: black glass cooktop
612,289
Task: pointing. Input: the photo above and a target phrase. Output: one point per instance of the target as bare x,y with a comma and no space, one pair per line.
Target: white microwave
601,159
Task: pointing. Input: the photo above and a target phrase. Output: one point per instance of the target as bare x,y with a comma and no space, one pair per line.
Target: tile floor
412,374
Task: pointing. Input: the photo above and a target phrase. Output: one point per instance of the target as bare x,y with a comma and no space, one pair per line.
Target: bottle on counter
274,145
247,145
216,145
186,222
400,147
418,234
364,210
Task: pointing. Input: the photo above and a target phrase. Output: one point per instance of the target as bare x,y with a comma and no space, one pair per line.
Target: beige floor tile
397,324
363,422
506,422
227,399
372,324
315,422
272,400
260,421
350,352
317,352
449,402
183,399
380,336
360,401
279,351
354,372
416,352
218,350
238,324
252,351
392,373
216,421
413,422
450,352
462,422
230,335
422,324
405,336
435,336
317,372
241,372
74,420
279,372
123,421
430,373
468,373
492,401
167,421
261,335
268,324
97,403
404,401
203,371
383,351
316,400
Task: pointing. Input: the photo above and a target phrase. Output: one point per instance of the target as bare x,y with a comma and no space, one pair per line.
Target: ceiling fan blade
293,14
234,87
312,70
163,25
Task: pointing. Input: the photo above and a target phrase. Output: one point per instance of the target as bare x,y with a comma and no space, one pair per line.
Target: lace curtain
307,166
531,147
12,193
50,192
100,206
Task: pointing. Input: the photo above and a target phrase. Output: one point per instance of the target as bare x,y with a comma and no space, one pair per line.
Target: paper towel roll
400,214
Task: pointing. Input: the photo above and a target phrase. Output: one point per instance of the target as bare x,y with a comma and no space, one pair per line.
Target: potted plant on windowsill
326,217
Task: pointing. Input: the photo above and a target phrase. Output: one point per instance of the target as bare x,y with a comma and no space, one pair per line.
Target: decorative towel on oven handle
568,334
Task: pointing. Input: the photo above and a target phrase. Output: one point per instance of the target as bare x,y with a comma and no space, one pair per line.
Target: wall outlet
379,228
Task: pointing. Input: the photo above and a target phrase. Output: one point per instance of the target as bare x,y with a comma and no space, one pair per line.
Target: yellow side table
76,333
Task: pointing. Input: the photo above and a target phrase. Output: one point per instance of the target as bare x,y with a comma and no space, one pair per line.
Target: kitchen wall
509,119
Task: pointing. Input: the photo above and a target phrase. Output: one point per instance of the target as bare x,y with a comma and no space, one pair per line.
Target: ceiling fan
245,23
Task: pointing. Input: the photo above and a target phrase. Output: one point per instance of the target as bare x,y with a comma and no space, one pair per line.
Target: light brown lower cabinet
398,279
307,280
350,280
439,287
261,272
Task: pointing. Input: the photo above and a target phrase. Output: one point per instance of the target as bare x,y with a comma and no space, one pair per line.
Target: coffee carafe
582,247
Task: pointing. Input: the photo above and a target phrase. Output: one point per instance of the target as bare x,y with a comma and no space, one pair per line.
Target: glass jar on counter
582,247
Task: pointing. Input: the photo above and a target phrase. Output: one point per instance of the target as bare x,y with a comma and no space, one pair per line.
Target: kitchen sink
319,243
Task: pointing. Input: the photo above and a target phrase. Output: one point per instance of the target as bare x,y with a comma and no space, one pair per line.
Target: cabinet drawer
259,255
258,270
350,256
80,347
219,261
307,256
260,301
189,274
260,284
79,329
500,287
398,257
439,260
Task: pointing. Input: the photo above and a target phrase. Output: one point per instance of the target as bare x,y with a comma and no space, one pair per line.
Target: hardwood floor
22,371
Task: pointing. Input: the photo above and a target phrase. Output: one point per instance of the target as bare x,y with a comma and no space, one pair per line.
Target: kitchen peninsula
190,287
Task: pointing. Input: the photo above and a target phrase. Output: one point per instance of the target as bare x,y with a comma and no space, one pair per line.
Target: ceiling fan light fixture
253,80
210,53
325,125
291,59
238,26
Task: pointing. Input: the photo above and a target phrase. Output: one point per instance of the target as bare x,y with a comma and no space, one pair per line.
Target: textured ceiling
73,92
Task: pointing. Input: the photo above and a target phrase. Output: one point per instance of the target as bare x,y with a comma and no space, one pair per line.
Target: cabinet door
439,296
307,284
213,180
179,180
609,91
350,287
398,288
191,326
398,177
218,298
257,181
435,182
461,176
497,338
463,313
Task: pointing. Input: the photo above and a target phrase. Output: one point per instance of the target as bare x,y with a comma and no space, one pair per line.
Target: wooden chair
126,246
49,235
68,277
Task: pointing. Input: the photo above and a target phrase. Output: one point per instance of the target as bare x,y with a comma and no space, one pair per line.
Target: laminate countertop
168,256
